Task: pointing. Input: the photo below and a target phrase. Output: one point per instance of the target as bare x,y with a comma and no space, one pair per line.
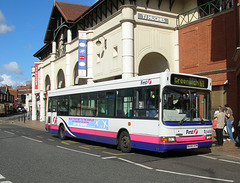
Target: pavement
228,147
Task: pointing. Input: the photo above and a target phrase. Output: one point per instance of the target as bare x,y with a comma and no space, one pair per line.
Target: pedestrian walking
220,116
229,121
238,137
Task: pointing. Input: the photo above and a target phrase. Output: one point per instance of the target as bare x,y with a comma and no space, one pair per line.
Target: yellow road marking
51,140
100,148
84,147
64,142
40,137
71,142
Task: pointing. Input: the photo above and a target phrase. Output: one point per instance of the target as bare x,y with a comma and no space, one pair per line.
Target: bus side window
124,103
74,105
146,102
105,104
88,104
92,104
62,105
50,100
101,104
54,104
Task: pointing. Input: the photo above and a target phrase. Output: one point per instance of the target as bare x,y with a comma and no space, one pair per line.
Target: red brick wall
209,46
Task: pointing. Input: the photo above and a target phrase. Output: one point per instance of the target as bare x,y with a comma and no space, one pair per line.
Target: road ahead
28,155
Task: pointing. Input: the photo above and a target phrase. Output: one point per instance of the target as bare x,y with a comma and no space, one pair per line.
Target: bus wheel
125,142
61,132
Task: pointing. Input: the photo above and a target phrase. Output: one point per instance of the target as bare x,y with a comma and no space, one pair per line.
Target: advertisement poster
36,75
82,55
89,122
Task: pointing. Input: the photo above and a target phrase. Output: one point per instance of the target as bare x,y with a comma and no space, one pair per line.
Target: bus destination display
189,81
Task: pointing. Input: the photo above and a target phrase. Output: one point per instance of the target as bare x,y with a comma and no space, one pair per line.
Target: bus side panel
87,134
96,138
53,129
95,135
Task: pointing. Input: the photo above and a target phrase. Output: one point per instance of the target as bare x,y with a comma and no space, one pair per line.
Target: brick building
6,101
24,95
208,47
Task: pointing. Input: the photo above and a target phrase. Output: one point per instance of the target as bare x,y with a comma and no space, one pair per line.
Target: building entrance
153,63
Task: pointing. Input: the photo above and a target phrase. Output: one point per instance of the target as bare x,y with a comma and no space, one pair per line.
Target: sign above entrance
153,18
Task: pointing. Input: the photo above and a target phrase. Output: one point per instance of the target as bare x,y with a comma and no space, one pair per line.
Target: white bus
157,112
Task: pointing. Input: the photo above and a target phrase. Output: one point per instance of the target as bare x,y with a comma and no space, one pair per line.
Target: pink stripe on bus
145,138
53,127
94,132
190,139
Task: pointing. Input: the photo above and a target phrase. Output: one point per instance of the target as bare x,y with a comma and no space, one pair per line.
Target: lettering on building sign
153,18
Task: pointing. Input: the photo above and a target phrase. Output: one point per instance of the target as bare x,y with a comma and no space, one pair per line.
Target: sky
23,25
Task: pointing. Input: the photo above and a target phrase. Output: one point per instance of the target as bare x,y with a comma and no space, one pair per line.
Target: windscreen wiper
182,121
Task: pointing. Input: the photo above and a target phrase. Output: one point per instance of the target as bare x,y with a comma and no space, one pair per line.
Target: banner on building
82,55
36,75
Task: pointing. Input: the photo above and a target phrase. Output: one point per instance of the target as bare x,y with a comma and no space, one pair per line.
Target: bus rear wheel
125,142
61,132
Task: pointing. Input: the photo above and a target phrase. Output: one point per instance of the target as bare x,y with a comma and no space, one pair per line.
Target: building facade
136,37
24,94
6,101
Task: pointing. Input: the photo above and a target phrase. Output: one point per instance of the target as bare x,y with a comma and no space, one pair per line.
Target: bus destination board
189,81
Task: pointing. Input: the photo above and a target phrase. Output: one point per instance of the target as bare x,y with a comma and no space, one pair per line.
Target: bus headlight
168,139
208,137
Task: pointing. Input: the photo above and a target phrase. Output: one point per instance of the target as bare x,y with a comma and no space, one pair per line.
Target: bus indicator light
168,139
129,124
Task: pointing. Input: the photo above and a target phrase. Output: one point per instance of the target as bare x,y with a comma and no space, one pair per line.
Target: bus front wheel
125,142
61,132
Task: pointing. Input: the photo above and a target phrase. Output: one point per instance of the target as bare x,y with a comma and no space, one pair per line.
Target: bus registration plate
192,146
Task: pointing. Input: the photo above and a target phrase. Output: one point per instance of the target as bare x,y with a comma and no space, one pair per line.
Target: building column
69,35
42,97
68,70
42,106
53,57
90,62
176,52
34,99
52,75
127,41
54,47
68,61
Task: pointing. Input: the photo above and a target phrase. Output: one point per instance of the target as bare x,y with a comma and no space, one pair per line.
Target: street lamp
98,42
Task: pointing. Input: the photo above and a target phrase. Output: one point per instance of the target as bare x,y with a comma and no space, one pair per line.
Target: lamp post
98,42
